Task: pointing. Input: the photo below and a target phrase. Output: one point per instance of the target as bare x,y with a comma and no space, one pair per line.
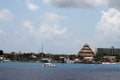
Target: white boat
48,65
108,63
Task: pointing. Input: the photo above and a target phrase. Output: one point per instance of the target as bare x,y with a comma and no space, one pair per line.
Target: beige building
86,52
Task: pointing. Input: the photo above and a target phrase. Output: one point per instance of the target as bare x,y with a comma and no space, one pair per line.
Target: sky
62,26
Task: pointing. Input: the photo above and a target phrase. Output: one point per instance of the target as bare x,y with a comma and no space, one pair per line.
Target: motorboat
48,65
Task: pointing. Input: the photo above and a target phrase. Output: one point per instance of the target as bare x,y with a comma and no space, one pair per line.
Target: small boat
48,65
108,63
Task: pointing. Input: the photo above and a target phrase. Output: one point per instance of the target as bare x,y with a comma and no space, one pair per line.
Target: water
35,71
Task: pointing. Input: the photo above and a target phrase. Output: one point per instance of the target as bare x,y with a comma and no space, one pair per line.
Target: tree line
34,56
55,57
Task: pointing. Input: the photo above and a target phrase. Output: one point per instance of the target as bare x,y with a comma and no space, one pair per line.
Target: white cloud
52,30
6,15
28,26
109,25
51,17
74,3
31,6
51,27
46,30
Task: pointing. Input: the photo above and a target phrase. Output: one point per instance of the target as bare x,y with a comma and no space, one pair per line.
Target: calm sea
35,71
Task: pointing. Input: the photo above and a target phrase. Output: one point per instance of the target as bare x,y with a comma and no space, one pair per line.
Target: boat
48,65
108,63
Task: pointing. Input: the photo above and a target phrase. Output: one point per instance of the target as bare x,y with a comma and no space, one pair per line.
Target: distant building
109,58
108,51
46,60
62,59
86,52
77,60
33,56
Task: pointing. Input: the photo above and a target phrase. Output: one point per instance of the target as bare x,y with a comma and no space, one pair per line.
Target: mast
42,48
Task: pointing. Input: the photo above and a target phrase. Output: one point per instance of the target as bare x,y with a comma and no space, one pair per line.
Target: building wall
108,51
86,51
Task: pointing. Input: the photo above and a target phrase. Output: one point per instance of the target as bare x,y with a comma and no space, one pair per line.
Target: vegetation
1,52
118,58
55,57
34,56
98,58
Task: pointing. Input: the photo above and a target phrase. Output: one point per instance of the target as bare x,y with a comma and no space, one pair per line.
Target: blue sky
63,26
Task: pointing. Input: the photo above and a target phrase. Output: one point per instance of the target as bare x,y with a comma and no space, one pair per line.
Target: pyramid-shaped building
86,51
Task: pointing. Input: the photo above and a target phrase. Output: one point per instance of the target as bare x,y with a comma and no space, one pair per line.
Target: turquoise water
35,71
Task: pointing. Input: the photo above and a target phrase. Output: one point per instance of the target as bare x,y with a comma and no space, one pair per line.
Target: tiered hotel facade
86,52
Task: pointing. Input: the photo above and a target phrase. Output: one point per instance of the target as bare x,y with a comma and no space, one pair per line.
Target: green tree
55,57
98,58
1,52
80,57
72,57
117,58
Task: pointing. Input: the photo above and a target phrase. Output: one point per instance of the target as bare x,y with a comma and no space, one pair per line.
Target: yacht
48,65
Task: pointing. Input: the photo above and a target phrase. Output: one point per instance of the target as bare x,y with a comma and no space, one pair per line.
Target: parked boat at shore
108,63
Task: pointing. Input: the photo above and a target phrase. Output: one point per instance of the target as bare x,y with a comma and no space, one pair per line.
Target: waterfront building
86,52
33,56
46,60
107,51
109,58
77,60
